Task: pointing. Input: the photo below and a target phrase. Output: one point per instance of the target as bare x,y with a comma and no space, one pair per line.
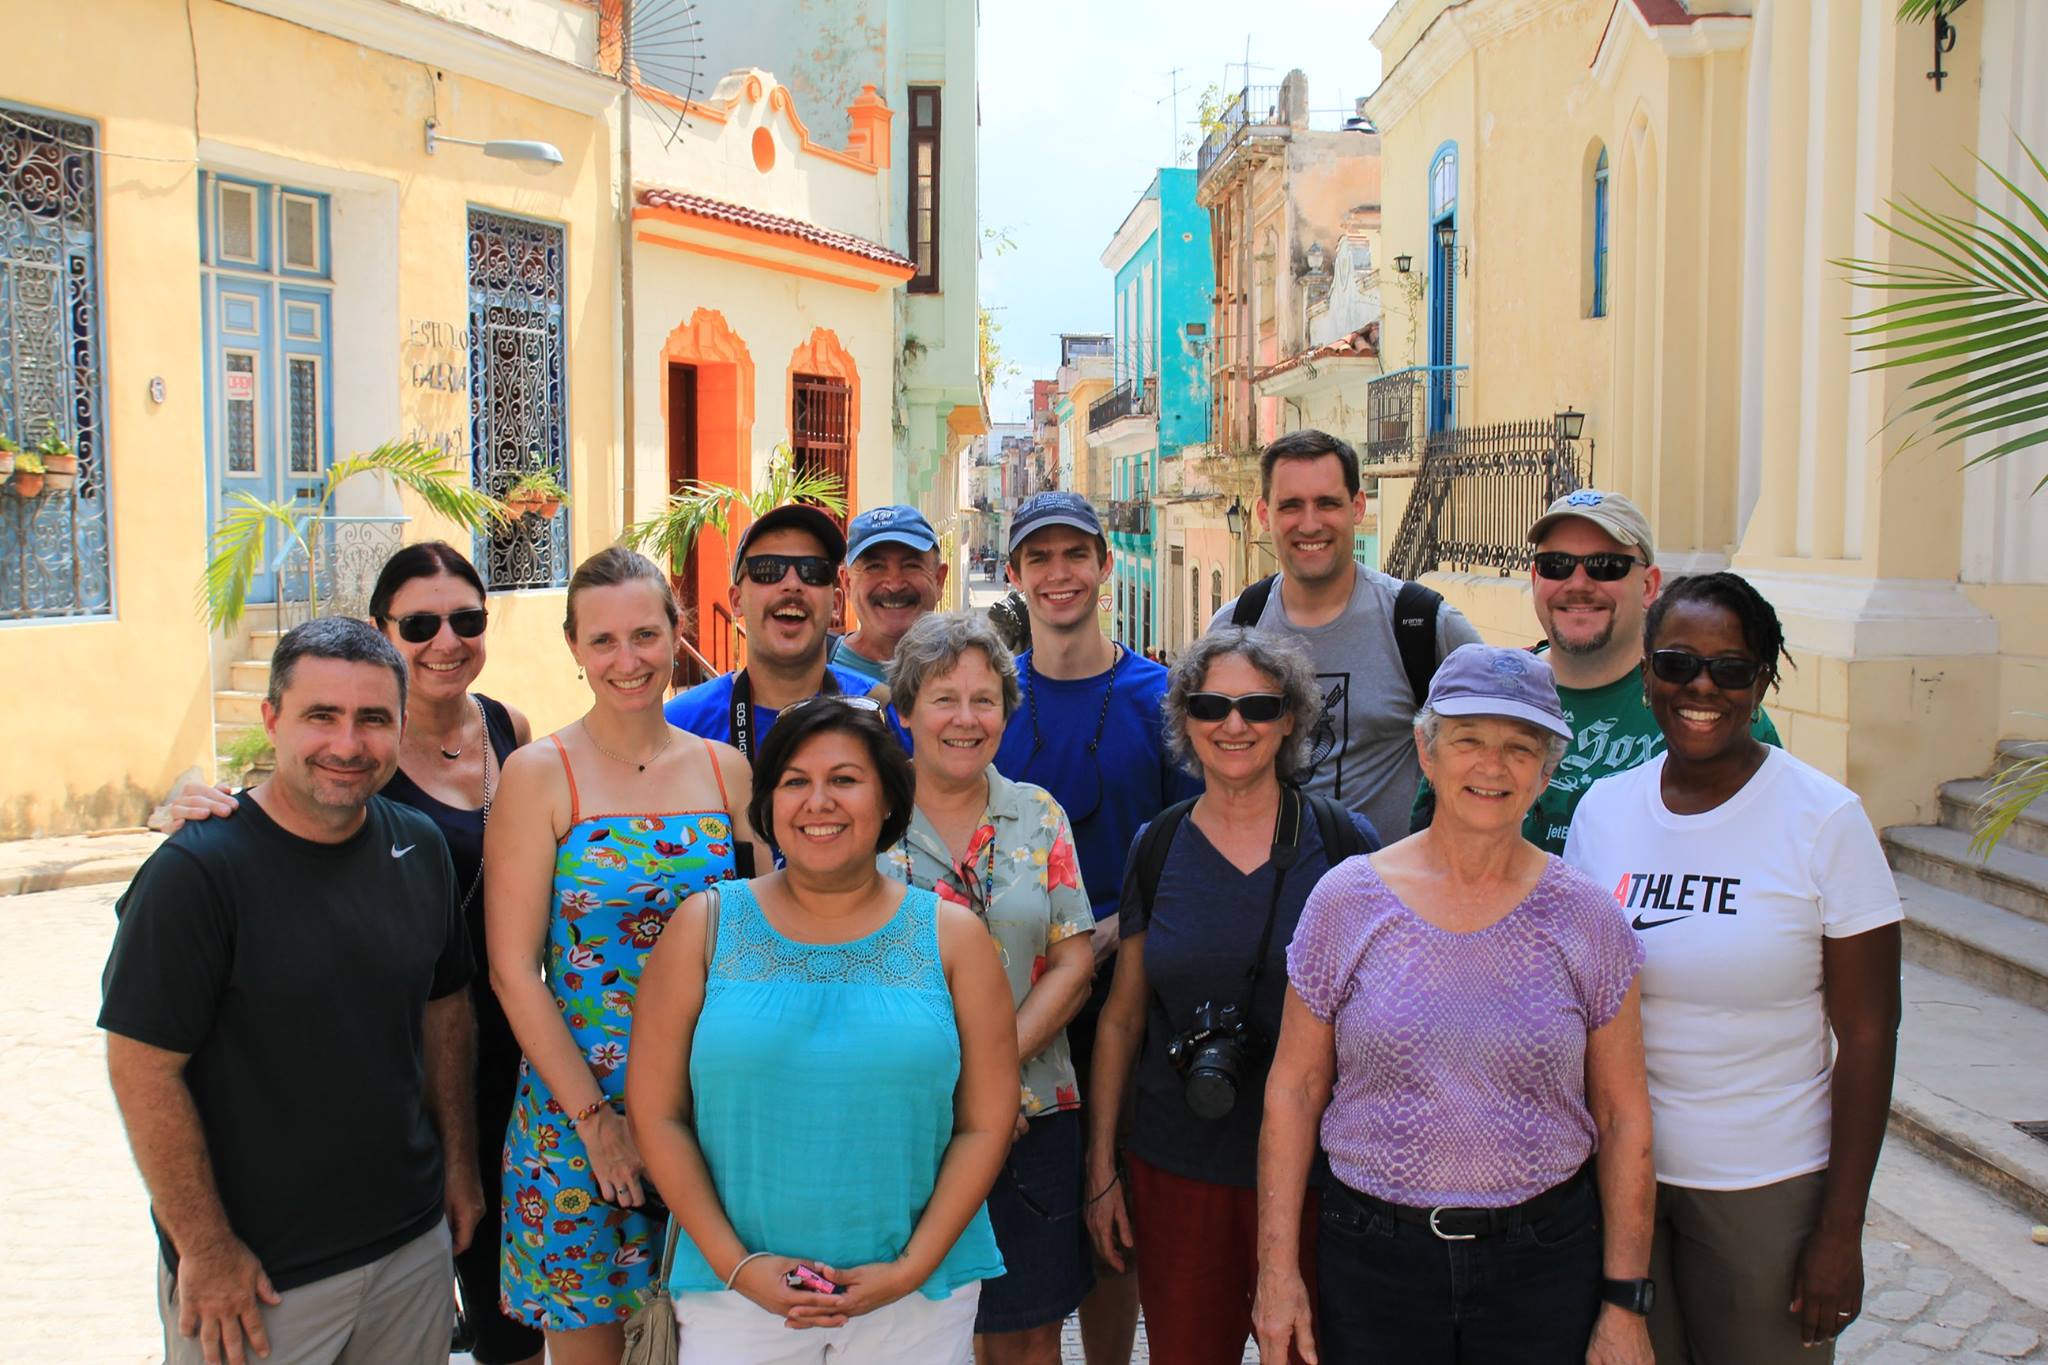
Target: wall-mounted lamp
1234,517
1404,263
537,157
1359,123
1571,424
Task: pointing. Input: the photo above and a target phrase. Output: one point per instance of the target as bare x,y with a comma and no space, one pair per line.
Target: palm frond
237,557
1915,11
1969,317
698,505
442,486
2017,788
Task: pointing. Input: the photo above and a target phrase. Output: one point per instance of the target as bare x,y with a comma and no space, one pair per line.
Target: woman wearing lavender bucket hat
1462,1029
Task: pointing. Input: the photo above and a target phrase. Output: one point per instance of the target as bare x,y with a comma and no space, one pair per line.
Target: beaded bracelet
589,1111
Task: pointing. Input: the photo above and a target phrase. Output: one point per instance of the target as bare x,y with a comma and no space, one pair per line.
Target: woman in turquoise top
597,835
825,1075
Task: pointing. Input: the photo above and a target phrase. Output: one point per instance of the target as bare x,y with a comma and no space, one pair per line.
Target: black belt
1462,1225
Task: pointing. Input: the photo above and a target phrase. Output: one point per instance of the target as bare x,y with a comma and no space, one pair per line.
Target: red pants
1198,1264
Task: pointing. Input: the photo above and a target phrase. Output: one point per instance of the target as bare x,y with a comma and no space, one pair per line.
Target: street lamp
536,157
1571,423
1404,263
1233,517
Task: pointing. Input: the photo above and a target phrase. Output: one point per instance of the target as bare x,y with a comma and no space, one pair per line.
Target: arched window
1194,600
1600,217
1215,591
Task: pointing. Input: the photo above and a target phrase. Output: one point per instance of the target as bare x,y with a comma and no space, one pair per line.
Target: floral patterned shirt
1021,877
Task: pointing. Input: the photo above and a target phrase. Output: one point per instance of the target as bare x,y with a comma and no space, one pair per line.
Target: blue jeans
1394,1293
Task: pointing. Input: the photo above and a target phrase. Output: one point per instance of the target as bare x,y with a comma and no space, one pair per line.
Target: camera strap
1283,858
740,708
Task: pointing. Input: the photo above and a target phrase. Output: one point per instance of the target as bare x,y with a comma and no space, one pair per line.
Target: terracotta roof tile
1361,344
699,206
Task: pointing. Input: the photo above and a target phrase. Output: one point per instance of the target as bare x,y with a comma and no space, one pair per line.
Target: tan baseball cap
1611,512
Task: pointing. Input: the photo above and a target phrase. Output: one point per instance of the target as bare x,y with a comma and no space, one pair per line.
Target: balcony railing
1132,517
347,554
1132,398
1479,491
1251,107
1399,408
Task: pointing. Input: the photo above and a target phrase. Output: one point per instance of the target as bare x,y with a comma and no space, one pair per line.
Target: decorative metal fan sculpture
661,45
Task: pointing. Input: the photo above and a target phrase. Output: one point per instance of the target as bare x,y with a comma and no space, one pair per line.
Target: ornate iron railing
1253,106
1479,491
1397,411
53,542
1132,398
1132,517
347,554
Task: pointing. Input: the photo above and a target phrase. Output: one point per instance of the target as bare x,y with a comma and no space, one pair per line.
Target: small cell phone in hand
802,1277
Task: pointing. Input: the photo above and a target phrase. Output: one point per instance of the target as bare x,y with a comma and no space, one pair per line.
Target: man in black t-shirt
290,1041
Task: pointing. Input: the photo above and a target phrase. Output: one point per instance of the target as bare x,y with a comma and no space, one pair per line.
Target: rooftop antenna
662,46
1173,95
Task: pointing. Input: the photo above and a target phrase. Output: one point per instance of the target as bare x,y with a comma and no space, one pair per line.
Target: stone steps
1962,806
1991,948
2010,878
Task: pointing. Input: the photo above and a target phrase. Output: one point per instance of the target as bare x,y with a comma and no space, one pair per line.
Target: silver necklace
668,733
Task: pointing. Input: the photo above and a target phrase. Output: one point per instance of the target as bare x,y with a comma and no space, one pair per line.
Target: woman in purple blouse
1462,1030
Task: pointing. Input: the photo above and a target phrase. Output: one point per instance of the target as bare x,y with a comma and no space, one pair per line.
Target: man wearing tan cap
1592,580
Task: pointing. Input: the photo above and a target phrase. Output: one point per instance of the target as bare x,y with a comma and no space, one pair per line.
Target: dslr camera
1212,1057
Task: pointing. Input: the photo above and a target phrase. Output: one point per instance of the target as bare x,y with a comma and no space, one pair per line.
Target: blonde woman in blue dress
600,832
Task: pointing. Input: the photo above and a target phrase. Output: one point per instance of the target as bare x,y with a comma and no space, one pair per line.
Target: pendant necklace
668,733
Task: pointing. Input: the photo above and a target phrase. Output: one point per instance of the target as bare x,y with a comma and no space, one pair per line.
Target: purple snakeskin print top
1461,1058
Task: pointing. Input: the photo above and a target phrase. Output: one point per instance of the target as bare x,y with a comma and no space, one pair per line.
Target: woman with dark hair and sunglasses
1211,894
1003,849
429,602
1770,924
824,1076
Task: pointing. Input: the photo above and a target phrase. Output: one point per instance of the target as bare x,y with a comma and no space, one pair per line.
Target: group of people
912,992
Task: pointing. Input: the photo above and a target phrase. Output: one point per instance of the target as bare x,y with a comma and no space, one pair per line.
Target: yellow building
1628,210
233,253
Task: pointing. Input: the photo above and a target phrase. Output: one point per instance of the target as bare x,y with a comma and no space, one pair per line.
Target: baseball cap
793,516
1055,507
1611,512
892,525
1489,680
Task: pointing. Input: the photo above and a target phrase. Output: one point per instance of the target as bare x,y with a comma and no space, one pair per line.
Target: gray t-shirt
1361,752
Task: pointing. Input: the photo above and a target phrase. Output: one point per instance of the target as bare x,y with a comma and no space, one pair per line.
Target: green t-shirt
1612,731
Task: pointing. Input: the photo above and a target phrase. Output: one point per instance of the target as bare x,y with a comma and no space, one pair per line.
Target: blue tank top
823,1078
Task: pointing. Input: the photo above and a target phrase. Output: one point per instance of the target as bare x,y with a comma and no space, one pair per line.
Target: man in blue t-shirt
785,586
1089,732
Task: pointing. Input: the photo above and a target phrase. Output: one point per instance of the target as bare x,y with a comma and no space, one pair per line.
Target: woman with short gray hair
1211,895
1003,849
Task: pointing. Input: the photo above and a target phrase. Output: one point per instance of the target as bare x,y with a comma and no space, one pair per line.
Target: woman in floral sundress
600,832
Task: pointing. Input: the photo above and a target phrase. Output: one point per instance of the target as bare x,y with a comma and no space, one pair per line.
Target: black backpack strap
1415,612
1150,854
1341,838
1251,603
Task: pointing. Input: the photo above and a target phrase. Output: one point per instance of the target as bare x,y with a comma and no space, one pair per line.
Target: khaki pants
397,1310
1723,1261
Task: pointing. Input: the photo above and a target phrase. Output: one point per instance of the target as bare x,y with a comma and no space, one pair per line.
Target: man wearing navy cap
785,587
893,576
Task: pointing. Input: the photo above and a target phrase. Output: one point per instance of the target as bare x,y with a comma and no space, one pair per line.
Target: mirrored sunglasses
418,627
1608,566
1258,708
1681,666
813,571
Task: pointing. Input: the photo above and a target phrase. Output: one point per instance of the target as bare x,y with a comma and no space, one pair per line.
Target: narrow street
76,1214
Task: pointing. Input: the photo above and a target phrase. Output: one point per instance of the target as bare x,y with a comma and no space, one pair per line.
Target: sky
1077,113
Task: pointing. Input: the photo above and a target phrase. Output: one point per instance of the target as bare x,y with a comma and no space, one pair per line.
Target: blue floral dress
569,1260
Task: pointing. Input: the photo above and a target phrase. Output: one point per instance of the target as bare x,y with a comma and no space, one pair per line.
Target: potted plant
537,493
248,757
59,460
9,448
27,478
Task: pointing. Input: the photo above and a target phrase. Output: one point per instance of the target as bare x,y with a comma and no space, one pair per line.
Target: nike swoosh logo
398,852
1641,923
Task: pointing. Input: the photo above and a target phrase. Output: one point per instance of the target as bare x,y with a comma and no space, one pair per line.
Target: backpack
1341,840
1415,612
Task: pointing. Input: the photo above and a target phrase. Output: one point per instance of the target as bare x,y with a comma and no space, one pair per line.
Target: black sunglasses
1608,566
813,571
1258,708
1681,666
418,627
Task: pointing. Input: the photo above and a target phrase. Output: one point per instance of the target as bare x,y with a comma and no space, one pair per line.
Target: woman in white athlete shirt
1770,926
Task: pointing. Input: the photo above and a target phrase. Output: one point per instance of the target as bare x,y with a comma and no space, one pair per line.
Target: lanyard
1101,717
741,709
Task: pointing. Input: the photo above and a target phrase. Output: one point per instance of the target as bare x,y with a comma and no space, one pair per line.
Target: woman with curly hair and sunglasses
1770,925
1211,895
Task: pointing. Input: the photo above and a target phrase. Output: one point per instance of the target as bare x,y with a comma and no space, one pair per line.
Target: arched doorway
707,406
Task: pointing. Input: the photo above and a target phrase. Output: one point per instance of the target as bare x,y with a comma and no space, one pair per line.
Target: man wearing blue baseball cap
893,576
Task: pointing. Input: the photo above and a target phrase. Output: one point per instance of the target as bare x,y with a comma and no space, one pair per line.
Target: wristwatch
1637,1296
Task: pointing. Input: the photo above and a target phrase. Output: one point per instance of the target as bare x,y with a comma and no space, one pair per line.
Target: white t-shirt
1731,907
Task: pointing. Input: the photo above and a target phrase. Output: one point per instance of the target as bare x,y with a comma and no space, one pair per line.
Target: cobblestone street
77,1252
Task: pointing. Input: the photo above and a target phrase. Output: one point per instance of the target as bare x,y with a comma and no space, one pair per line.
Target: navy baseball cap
793,516
892,525
1055,507
1489,680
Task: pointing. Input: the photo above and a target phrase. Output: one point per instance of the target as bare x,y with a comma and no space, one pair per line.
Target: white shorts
725,1326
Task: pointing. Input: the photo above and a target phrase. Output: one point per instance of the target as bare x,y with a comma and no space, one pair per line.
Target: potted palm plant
9,448
26,481
537,493
60,461
696,505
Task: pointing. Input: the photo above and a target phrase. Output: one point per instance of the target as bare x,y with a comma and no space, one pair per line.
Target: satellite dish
662,46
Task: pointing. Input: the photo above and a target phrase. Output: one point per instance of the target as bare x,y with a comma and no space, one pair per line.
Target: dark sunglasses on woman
1258,708
418,627
1681,666
1608,566
813,571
